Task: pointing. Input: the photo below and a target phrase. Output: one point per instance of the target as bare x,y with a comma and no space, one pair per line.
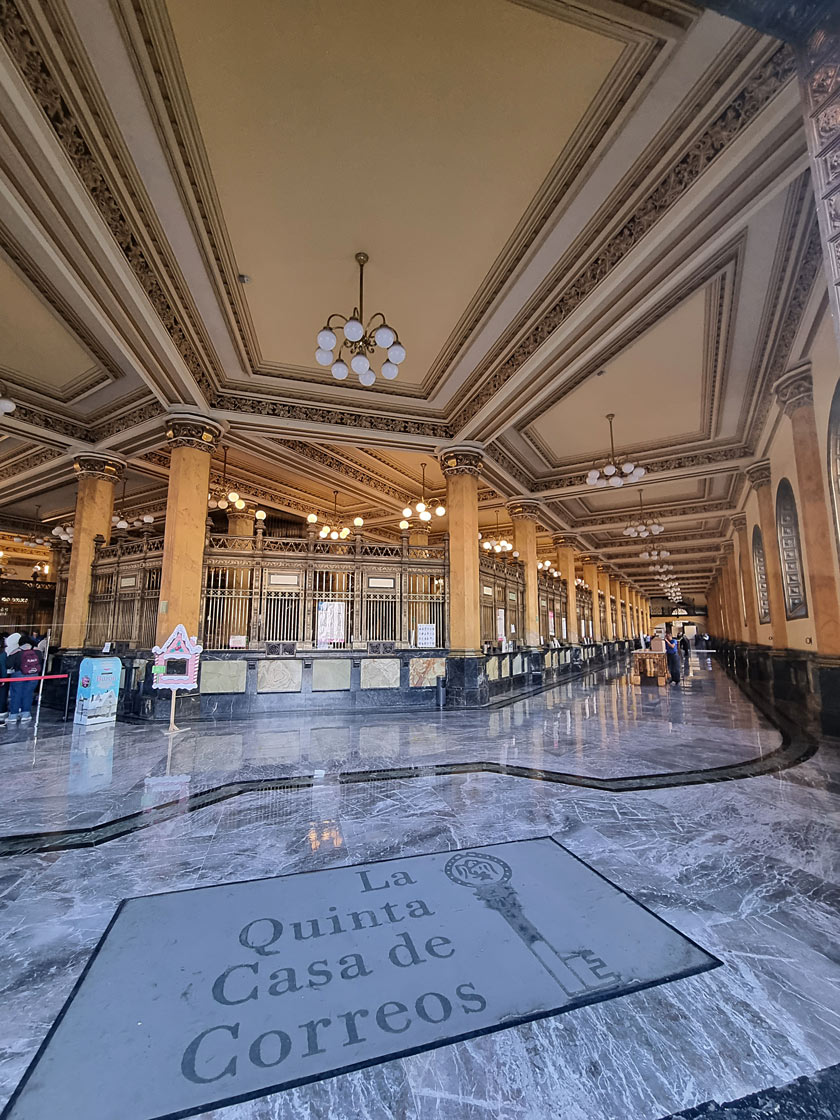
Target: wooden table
649,664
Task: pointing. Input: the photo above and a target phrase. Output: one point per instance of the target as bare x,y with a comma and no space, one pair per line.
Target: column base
467,685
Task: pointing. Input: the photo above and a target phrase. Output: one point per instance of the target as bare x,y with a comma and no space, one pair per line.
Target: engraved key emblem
577,971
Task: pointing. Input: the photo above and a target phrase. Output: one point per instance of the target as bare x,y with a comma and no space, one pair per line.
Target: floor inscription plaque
209,996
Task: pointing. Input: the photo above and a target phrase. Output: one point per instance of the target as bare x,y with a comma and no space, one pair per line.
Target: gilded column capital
795,389
94,465
563,540
524,509
739,522
193,431
462,458
758,475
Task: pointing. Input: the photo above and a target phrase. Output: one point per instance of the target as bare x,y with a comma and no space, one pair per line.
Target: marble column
97,476
461,467
604,584
716,613
734,591
591,576
615,589
466,677
725,605
632,631
566,568
795,395
419,537
525,515
192,441
759,477
739,524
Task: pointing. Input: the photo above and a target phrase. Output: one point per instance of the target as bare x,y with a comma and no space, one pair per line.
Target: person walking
24,662
672,653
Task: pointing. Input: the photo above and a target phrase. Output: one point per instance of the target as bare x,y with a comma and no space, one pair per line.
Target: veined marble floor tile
749,869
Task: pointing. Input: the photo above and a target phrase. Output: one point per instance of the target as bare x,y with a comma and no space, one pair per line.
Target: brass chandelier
360,341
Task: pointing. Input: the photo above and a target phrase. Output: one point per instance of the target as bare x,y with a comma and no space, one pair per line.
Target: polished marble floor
748,867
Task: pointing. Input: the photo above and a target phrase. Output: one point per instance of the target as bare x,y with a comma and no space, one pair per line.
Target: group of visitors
21,656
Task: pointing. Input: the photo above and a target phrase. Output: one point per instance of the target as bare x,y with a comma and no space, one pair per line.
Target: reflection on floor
749,869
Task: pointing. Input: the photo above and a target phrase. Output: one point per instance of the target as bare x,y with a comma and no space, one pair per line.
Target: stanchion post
41,686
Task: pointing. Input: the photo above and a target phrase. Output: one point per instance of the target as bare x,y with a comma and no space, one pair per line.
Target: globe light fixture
260,515
337,530
497,543
642,526
613,473
360,341
421,509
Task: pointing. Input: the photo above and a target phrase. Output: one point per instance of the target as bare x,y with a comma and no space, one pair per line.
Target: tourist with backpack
24,662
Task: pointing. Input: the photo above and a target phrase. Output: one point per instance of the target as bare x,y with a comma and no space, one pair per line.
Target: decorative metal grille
760,569
790,552
265,589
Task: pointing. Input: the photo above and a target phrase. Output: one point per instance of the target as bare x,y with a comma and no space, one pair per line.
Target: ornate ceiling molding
152,41
29,462
787,303
324,458
332,415
766,81
720,277
597,521
686,461
22,42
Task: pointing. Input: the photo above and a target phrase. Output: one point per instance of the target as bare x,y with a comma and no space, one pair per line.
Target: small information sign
426,635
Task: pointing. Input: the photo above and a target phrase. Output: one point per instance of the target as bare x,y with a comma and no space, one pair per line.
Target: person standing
672,653
24,662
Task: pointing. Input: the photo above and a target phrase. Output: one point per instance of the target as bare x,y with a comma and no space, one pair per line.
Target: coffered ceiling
572,207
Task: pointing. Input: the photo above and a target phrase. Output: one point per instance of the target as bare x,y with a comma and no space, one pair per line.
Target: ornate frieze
687,461
193,431
739,522
29,462
460,460
820,78
761,87
366,476
809,269
22,46
728,548
322,414
758,474
123,422
795,389
721,505
99,466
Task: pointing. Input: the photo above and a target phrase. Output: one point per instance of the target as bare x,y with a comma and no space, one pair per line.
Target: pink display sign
176,661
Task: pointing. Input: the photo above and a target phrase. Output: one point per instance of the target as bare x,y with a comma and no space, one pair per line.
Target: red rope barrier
51,677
